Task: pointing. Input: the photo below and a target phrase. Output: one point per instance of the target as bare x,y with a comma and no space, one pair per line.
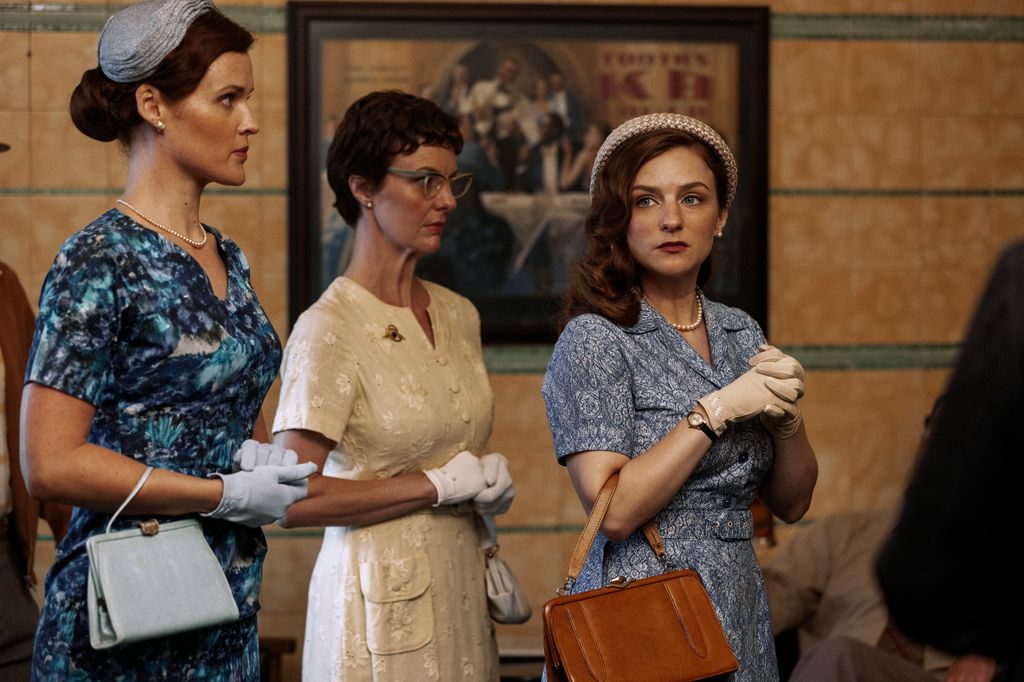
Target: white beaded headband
664,121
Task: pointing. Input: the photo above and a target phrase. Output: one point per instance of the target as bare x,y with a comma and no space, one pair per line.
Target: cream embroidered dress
403,599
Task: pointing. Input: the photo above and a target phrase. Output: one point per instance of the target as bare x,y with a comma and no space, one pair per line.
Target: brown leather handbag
658,629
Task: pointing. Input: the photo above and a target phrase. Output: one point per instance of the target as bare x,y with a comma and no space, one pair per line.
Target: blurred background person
151,348
501,113
947,571
677,394
19,512
384,386
822,588
577,167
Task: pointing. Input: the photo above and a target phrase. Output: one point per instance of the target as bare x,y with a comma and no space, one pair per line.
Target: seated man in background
822,582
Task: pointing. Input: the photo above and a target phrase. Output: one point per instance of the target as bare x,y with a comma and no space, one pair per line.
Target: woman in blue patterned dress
678,394
151,348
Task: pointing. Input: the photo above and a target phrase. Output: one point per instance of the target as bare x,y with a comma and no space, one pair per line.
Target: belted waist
696,524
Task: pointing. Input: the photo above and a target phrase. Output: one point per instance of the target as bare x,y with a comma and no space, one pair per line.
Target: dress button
465,417
442,361
454,388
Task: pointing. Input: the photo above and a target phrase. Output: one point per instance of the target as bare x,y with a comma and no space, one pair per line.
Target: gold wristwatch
695,420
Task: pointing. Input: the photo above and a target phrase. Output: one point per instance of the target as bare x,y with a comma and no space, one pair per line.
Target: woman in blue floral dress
151,348
676,393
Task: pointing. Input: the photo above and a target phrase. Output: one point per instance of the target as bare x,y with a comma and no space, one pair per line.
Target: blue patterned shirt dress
129,323
622,389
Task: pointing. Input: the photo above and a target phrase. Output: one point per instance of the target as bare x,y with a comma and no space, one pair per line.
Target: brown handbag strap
593,524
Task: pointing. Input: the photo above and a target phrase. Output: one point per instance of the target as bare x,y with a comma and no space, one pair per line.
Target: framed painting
536,88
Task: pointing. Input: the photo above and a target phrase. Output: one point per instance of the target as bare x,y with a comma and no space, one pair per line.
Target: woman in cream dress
384,385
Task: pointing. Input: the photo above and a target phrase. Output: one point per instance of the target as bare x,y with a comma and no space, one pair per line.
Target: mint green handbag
154,581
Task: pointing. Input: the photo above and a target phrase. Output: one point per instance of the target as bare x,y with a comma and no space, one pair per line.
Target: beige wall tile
809,77
954,78
15,245
58,61
1006,7
275,232
14,163
270,60
1007,216
956,153
271,147
810,151
810,233
887,422
956,7
882,6
885,152
1007,152
885,77
948,298
1007,78
62,157
14,74
885,307
885,234
810,307
955,232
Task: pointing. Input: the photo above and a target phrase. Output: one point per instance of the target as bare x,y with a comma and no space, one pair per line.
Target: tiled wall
897,139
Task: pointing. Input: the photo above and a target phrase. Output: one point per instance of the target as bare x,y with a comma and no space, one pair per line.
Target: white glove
457,480
497,497
261,496
782,419
254,454
746,398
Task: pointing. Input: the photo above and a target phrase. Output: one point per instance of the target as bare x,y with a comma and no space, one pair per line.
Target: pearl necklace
693,325
188,240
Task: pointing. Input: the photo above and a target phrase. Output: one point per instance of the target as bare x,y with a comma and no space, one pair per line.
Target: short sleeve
318,379
588,390
78,321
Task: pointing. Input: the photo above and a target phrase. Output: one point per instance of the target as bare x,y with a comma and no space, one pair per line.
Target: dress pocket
399,606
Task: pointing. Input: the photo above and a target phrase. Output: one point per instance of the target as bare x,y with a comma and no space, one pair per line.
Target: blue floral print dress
622,389
129,323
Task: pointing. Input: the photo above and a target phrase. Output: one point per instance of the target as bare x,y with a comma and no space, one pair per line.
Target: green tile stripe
83,18
533,359
925,27
905,192
789,192
103,191
958,28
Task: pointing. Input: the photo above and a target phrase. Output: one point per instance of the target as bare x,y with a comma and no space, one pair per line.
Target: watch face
694,419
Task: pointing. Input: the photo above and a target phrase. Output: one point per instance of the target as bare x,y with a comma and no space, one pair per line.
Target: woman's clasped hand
484,480
266,480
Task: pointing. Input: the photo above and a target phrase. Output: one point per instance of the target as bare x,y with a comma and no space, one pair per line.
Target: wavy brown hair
605,279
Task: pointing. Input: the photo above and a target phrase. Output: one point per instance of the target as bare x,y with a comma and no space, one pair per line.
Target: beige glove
457,480
747,397
782,419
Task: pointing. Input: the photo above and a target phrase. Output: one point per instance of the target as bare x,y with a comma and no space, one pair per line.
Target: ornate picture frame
510,243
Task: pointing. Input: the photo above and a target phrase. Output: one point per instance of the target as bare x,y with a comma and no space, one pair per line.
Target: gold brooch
391,332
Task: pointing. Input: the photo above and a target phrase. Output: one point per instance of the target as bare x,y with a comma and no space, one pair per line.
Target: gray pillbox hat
135,40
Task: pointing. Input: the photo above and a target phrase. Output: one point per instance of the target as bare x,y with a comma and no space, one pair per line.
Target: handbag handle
131,495
594,519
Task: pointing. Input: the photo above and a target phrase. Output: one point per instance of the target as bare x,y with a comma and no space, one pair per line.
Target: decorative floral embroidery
399,621
357,655
412,392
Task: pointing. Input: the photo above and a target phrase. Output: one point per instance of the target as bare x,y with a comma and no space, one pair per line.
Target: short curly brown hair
376,128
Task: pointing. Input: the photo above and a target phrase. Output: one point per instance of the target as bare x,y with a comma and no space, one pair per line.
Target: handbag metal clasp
149,527
619,581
